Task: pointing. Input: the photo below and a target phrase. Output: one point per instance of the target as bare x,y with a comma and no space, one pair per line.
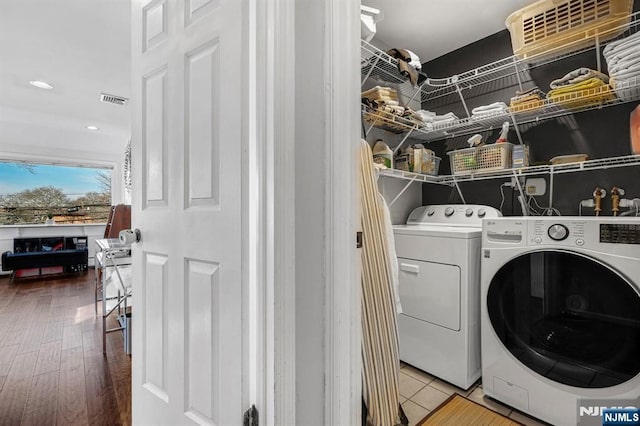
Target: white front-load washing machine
439,270
561,315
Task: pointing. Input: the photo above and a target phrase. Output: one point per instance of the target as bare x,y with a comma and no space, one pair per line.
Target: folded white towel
631,70
627,74
493,108
628,55
446,117
621,44
620,55
624,62
424,115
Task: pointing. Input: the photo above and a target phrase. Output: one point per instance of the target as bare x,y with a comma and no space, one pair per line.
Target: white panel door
187,149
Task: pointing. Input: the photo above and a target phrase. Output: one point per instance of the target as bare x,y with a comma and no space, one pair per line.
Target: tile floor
421,392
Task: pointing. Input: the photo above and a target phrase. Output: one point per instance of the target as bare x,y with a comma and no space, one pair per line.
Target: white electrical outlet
535,186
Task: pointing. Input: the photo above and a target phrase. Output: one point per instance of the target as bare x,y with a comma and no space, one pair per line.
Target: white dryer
439,266
561,315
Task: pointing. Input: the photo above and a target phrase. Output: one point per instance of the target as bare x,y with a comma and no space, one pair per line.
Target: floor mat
457,410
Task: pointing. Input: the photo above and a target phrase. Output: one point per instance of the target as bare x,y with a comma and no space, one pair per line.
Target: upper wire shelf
579,101
436,93
597,164
376,63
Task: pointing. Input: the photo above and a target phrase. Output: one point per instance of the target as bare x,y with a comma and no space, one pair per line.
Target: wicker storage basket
481,159
553,27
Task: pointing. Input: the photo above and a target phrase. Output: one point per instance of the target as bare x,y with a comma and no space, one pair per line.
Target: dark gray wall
598,133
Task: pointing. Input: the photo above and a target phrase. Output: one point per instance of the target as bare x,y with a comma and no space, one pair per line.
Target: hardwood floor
52,370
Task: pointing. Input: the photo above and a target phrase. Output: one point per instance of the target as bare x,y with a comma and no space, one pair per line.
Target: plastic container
483,158
553,27
425,161
519,156
403,162
382,154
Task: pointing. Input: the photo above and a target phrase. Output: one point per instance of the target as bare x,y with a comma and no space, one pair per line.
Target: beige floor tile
402,365
408,385
414,412
403,399
450,389
418,374
526,420
478,396
429,397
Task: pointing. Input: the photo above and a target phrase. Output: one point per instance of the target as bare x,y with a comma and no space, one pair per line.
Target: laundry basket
481,159
553,27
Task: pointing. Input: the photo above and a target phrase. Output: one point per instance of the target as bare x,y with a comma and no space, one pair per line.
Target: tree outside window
74,195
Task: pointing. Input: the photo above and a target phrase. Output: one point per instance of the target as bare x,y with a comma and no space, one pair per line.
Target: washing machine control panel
619,233
615,236
557,231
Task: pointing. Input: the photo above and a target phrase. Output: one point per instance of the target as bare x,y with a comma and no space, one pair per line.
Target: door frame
343,393
270,194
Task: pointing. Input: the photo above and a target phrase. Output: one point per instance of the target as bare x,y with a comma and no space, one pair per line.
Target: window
39,193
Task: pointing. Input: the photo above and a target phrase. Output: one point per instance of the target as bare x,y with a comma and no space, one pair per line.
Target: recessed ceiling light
92,128
41,84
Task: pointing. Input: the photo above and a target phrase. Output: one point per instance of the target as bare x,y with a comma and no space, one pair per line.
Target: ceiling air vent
113,99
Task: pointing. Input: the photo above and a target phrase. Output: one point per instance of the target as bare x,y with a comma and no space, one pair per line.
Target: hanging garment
380,354
391,250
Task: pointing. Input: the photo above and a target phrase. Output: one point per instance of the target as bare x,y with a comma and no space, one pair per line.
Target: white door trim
343,391
272,192
275,144
282,105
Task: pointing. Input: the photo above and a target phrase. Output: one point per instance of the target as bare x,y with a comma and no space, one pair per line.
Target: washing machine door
567,317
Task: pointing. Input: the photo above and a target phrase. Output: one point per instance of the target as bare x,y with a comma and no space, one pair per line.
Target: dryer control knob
482,213
558,232
430,212
449,211
468,213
